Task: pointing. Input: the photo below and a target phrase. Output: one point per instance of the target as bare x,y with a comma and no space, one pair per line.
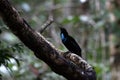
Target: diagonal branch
39,45
46,24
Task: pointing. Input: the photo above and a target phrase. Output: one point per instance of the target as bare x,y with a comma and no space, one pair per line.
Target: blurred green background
95,25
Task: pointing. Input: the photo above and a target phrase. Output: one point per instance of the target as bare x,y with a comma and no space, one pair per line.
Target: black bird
69,42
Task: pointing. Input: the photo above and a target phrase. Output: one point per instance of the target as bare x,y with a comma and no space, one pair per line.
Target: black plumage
69,42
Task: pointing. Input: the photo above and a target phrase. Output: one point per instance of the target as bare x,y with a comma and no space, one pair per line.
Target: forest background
94,24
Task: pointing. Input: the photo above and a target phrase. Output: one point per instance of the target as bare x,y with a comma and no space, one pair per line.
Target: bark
43,49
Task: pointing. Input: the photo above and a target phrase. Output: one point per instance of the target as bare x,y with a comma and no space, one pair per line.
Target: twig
46,24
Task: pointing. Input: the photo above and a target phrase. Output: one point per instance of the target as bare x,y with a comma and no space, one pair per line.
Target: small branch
46,24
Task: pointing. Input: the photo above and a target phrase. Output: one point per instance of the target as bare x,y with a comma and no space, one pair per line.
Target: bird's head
63,30
63,34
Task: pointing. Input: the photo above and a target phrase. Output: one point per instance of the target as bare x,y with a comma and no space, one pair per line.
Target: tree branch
40,46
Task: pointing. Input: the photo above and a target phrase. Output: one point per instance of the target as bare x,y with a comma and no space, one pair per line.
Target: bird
69,42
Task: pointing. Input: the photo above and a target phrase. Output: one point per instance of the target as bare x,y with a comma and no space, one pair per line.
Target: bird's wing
73,42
